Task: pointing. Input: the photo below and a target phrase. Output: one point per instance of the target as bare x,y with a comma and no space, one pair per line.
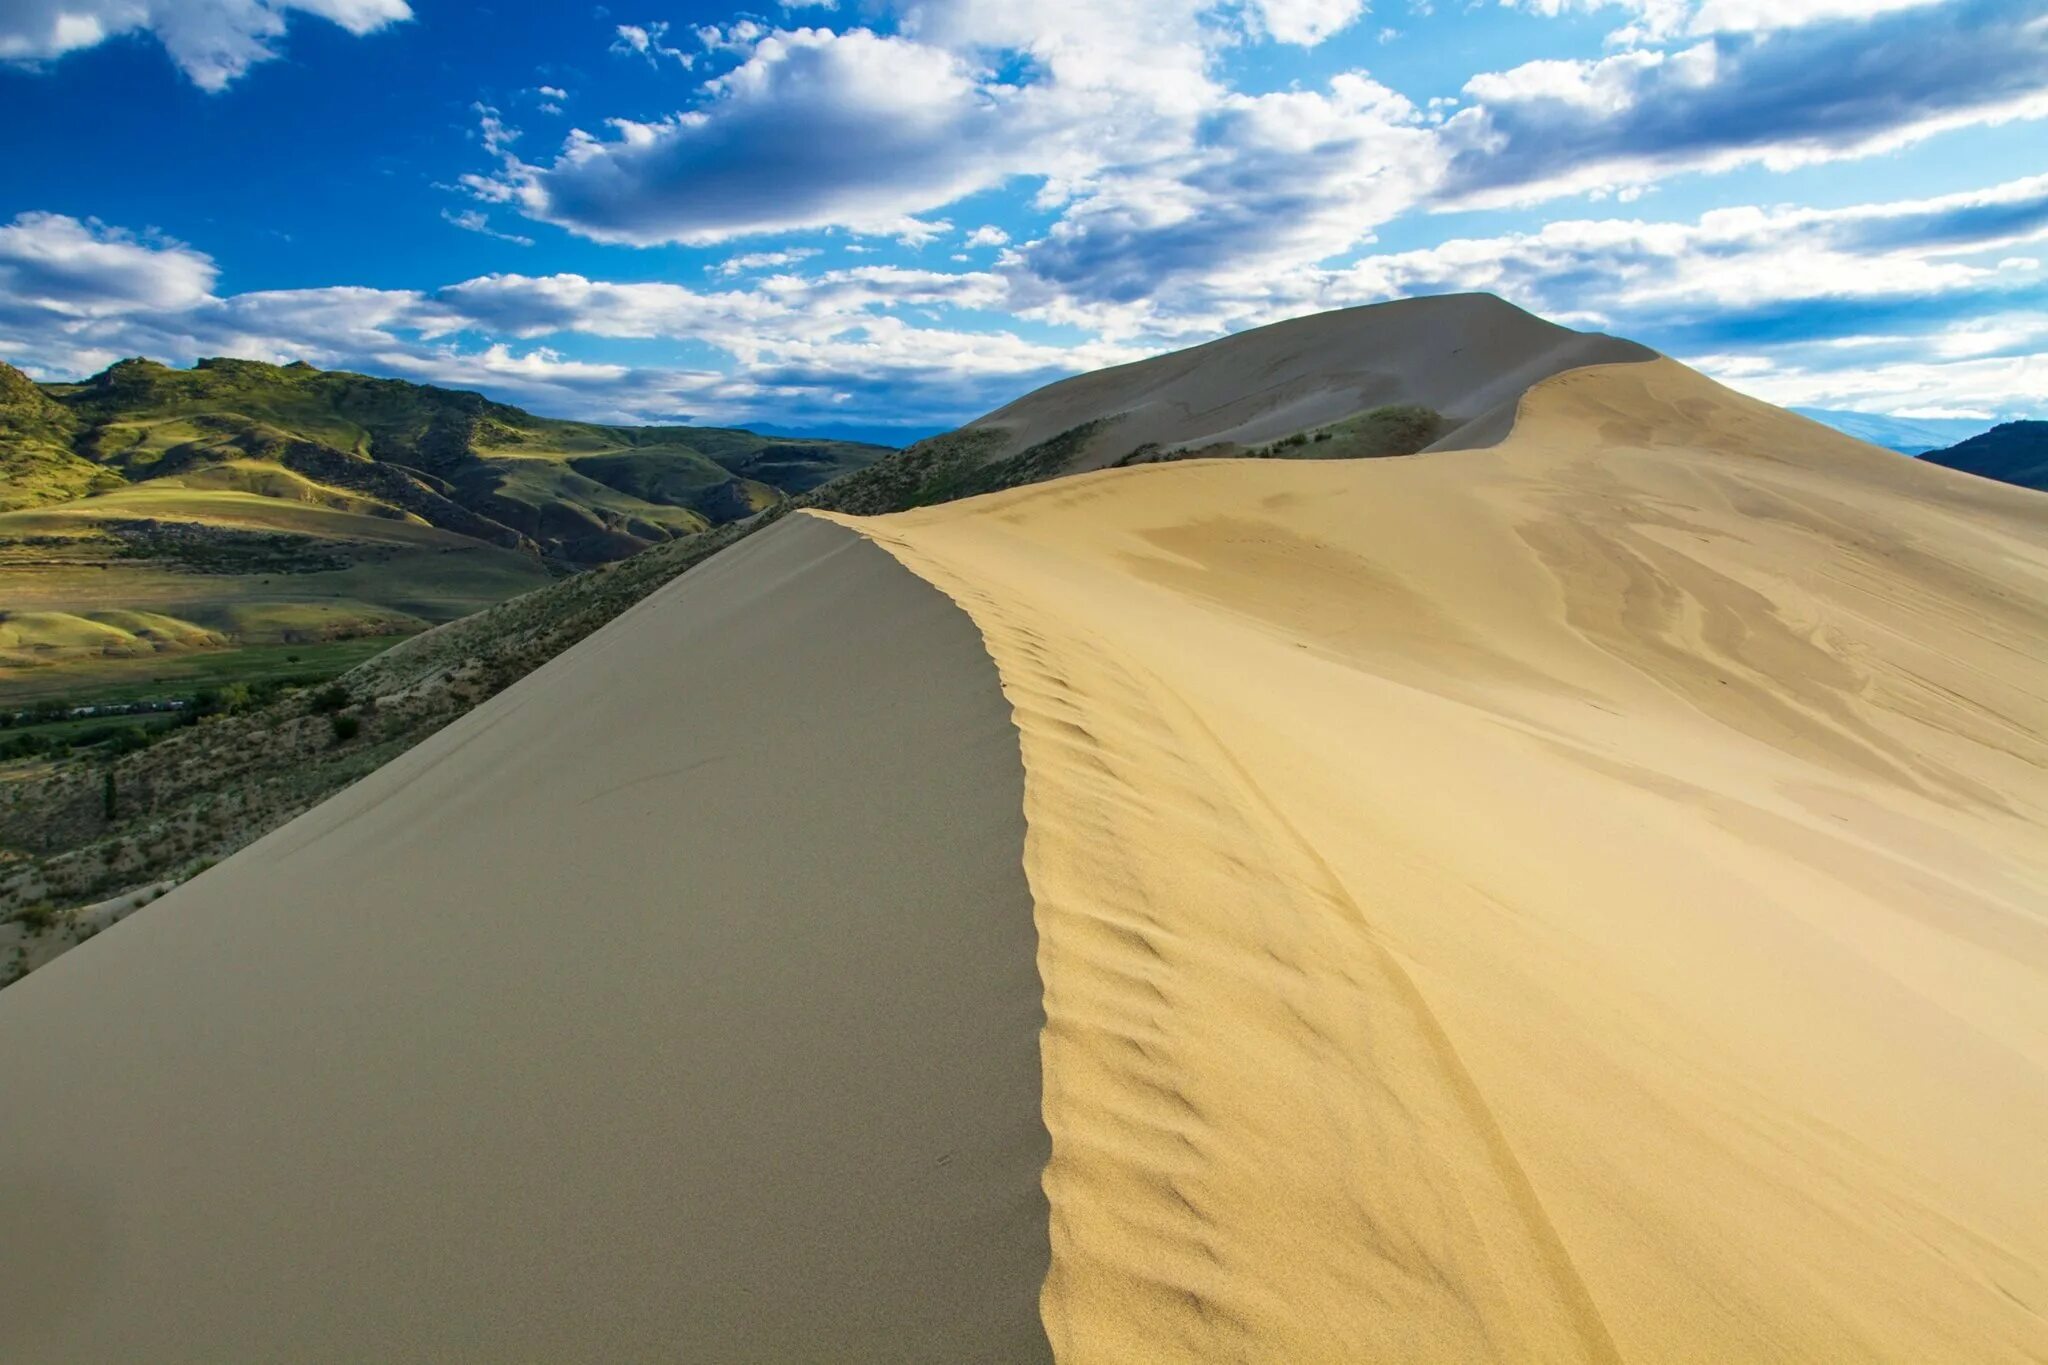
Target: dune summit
1580,898
1467,357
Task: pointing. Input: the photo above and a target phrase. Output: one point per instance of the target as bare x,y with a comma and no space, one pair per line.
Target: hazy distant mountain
2016,452
1908,435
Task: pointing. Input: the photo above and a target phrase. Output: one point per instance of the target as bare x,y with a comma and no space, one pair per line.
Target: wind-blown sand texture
1585,898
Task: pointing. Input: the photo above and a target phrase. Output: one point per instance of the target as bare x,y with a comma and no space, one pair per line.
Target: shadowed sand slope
1467,356
1579,900
582,1031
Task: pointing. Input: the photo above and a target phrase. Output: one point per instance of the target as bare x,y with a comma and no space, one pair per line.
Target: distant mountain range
149,508
2016,452
1907,435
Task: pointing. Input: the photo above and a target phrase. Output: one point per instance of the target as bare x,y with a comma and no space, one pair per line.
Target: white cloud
1797,96
910,129
762,260
75,296
988,235
1283,179
472,220
1305,22
74,269
1728,265
1663,20
649,41
1988,389
1176,199
212,41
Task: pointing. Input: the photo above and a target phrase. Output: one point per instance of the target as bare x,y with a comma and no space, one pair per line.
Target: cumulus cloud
71,269
1288,177
1169,192
1781,100
814,128
865,129
212,41
1304,22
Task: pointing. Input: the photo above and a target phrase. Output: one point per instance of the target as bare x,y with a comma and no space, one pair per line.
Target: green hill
2016,452
249,504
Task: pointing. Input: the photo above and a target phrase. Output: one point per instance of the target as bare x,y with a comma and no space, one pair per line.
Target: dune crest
1467,357
1581,899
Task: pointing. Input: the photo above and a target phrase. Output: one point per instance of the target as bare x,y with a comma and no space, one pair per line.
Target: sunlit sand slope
678,1004
1585,899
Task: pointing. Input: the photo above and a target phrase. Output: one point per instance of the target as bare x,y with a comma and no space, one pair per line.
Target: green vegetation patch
1396,429
166,676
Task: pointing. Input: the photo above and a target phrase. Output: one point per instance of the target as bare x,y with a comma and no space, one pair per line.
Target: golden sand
1585,899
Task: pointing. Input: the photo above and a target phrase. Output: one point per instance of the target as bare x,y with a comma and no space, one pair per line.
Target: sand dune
1580,899
575,1033
1467,356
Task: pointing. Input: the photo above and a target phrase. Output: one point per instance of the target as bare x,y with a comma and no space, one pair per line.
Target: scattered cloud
1665,20
76,296
474,220
649,41
762,260
1780,100
212,41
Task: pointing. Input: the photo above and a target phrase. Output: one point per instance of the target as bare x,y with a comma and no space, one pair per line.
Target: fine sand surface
677,1004
1467,356
1580,900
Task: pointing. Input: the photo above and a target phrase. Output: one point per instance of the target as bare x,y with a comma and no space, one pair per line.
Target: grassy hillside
239,503
2016,452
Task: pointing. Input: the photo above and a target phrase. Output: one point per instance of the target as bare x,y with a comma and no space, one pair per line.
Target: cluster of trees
48,730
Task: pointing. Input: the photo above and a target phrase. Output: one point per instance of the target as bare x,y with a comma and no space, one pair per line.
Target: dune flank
1580,900
577,1033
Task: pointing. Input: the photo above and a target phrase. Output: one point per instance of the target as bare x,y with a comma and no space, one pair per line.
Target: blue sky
887,216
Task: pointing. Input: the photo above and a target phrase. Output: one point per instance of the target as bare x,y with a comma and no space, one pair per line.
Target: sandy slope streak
1573,900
